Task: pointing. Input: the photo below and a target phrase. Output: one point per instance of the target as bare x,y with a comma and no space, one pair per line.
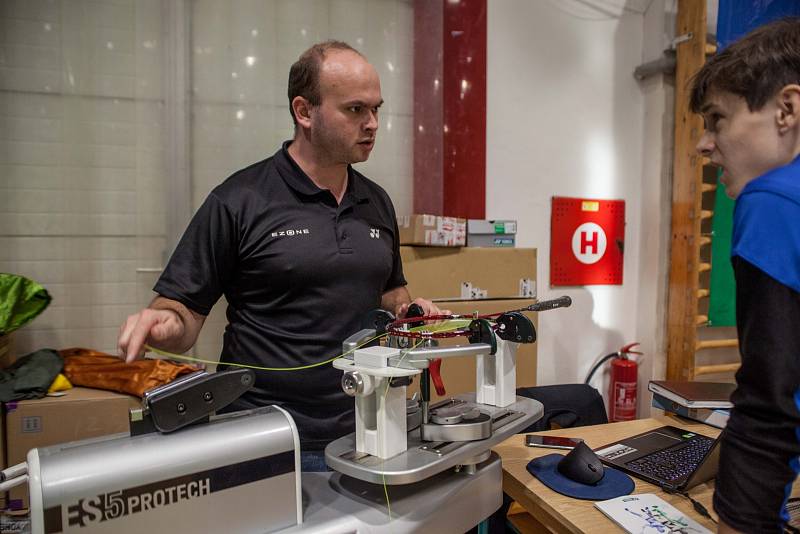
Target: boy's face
744,143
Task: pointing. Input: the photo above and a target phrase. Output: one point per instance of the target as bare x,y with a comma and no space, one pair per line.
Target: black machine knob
415,310
481,332
513,326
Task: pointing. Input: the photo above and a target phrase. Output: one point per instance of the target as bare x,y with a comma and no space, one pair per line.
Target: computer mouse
581,465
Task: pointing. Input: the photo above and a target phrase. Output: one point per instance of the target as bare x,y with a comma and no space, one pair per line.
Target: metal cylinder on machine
240,472
622,389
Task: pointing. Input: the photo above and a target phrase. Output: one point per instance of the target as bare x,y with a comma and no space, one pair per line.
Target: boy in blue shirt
749,96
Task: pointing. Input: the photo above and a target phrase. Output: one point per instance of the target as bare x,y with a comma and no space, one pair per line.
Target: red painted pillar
450,107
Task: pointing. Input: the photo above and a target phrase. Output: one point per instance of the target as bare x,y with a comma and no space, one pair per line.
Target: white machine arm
454,432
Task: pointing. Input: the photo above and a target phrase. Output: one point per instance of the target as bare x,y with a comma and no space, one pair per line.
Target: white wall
656,198
566,117
83,130
241,54
81,161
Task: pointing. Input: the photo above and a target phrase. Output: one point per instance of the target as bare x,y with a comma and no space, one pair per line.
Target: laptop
669,457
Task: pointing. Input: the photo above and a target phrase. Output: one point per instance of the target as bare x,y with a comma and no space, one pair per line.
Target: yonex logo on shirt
374,233
290,233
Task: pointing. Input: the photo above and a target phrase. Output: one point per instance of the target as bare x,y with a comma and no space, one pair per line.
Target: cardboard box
487,233
458,374
491,240
80,414
432,230
442,273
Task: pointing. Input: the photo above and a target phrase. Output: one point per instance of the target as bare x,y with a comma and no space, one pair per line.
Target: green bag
21,300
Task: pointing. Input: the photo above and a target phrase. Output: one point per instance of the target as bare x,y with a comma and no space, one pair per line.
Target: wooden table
552,512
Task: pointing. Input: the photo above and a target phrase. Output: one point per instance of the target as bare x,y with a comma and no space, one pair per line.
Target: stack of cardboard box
494,273
474,280
491,233
77,414
432,230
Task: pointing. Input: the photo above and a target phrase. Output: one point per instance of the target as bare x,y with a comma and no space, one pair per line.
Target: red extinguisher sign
587,239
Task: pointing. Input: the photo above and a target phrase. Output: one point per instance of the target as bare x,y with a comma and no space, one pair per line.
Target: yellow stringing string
193,359
452,324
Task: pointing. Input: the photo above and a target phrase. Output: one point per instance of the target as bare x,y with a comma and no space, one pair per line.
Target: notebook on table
669,457
694,394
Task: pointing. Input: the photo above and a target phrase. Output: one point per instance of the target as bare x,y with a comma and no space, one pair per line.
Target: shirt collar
298,180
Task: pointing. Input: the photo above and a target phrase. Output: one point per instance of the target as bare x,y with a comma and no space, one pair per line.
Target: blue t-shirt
766,224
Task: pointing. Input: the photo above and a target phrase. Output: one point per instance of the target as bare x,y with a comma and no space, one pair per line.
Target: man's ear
302,111
788,101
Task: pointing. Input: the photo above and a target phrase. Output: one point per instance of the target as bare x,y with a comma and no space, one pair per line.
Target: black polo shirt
299,272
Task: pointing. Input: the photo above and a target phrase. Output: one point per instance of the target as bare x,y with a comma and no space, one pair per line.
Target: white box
375,356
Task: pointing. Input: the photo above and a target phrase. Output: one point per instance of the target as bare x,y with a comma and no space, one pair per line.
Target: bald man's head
304,75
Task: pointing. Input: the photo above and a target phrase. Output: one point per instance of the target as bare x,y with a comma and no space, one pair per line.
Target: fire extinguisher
623,384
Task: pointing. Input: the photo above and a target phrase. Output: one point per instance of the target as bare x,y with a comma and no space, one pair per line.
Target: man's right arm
165,323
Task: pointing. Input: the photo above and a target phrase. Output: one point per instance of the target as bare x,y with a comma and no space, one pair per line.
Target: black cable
598,364
698,507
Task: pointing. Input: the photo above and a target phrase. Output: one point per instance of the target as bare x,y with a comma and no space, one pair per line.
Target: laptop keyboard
674,462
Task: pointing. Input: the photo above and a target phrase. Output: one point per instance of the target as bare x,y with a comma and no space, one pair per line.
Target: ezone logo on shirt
290,233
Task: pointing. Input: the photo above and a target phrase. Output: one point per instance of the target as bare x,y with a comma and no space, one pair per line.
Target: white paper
649,514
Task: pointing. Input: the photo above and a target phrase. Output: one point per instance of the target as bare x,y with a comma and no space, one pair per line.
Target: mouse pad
613,484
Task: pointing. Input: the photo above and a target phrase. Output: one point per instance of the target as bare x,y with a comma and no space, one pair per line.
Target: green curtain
722,290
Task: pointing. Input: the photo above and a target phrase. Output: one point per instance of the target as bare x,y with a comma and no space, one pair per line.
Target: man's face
744,143
344,125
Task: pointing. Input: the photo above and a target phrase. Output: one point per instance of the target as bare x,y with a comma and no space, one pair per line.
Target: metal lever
436,376
357,340
420,358
560,302
415,310
188,400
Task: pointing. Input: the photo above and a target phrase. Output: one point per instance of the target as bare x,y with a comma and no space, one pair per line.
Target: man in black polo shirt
301,245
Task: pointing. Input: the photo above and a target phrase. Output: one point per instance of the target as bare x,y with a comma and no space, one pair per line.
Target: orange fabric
85,367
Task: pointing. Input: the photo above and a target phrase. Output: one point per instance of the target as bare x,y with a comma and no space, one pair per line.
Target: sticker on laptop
615,451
